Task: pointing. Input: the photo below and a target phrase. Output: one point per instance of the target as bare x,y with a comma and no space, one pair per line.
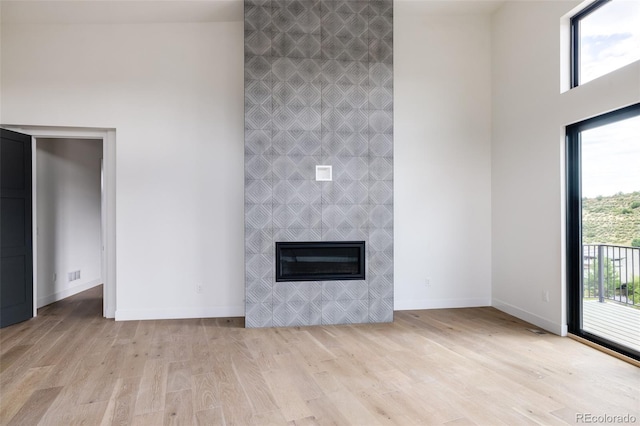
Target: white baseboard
559,329
410,305
63,294
179,313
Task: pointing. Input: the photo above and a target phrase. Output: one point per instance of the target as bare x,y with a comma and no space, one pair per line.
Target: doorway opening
69,217
603,230
106,138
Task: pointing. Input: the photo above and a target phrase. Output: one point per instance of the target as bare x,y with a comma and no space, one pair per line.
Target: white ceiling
132,11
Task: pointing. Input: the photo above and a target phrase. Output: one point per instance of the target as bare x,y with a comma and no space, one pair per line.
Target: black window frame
575,39
574,253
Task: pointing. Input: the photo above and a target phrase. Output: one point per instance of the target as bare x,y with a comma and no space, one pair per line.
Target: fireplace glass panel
320,261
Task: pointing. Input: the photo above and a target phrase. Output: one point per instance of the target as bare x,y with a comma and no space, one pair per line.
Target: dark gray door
16,242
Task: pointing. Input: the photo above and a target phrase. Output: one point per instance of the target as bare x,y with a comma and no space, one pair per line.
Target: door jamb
108,213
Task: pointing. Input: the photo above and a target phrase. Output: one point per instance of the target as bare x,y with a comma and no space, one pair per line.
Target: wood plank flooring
474,366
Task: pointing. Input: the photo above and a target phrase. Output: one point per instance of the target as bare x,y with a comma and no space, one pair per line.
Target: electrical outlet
427,282
198,288
55,277
545,295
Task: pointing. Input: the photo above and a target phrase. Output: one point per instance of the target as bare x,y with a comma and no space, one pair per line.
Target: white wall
529,117
442,87
69,215
173,92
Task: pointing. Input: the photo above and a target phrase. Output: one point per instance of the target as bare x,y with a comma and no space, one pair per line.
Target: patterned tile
346,6
257,142
344,48
380,286
263,3
344,234
345,192
380,122
296,291
258,315
348,168
381,216
345,311
259,267
381,192
381,145
257,92
381,168
257,216
381,310
258,167
380,8
296,17
258,191
345,72
289,117
381,98
295,45
259,291
318,90
380,263
304,95
257,68
297,192
257,18
299,234
315,314
380,239
381,74
295,167
297,143
351,144
297,216
381,50
292,314
257,117
345,290
337,216
345,25
258,240
345,97
380,27
344,120
257,43
292,70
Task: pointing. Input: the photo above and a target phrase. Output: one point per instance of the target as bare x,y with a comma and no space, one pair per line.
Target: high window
605,36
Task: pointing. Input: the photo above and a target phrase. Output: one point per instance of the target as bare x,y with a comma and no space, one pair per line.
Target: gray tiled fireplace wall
318,91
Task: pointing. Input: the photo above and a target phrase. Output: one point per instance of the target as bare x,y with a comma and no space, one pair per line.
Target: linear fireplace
320,261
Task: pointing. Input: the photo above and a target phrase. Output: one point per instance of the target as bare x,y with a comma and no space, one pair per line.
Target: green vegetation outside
612,220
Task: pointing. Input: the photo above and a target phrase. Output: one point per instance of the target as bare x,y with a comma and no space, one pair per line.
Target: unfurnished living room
342,212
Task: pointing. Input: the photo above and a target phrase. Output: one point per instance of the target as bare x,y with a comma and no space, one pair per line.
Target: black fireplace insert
320,261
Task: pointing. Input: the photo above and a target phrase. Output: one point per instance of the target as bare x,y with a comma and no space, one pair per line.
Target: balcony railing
612,273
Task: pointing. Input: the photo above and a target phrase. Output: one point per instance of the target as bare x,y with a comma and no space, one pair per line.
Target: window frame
575,38
574,253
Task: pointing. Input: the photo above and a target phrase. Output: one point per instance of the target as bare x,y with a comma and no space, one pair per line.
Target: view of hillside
612,220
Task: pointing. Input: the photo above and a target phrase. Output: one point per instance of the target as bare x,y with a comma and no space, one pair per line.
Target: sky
610,39
611,158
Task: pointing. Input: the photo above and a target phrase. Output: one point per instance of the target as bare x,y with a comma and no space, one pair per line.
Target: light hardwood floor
474,366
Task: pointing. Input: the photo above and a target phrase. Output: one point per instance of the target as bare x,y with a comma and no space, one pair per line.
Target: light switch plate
324,173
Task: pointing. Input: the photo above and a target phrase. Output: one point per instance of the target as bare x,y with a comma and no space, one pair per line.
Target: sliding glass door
603,229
